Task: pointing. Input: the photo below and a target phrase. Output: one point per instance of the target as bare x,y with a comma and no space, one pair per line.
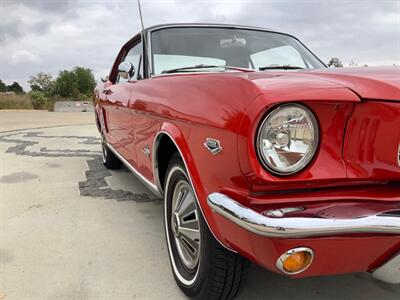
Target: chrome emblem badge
213,145
146,150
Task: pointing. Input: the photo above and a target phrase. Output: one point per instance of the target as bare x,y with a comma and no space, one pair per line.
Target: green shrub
50,103
39,101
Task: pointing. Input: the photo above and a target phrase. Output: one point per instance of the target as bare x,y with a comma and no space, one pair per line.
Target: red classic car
260,151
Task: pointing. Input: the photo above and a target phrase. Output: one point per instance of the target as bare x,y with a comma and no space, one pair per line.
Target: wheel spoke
191,235
188,248
188,205
190,224
180,199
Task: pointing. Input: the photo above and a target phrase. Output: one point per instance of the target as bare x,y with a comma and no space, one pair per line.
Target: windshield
183,47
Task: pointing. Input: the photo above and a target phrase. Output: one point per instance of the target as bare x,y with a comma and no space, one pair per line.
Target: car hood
366,82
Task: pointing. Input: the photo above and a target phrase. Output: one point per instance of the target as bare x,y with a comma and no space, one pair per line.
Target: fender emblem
213,145
146,150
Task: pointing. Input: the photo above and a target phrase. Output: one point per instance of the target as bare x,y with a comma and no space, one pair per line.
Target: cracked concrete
97,185
71,229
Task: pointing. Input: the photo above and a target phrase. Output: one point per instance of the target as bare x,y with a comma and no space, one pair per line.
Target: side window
134,56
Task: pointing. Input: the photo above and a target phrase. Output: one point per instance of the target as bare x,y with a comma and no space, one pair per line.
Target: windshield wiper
281,67
202,66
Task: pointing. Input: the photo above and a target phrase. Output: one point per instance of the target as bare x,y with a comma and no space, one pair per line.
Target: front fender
179,136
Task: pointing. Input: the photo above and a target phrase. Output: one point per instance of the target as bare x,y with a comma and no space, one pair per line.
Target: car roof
172,25
215,25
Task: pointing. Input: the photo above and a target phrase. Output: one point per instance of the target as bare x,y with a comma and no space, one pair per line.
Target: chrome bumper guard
300,227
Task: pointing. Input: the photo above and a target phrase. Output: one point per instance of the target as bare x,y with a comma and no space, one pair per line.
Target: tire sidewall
177,172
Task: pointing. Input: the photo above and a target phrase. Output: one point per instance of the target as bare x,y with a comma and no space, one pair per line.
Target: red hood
366,82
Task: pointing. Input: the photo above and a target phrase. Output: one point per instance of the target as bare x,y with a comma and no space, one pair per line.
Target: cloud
24,56
62,34
10,29
53,7
66,29
23,18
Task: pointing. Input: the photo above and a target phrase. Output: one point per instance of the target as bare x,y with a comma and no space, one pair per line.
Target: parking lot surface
71,229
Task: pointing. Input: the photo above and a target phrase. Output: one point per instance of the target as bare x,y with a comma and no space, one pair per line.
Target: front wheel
202,268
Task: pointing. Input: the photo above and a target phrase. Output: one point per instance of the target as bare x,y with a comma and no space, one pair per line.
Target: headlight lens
288,139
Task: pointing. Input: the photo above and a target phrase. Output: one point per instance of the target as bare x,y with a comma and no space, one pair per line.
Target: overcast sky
50,36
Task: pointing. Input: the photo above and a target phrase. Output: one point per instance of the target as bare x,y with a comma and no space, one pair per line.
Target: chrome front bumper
303,227
300,227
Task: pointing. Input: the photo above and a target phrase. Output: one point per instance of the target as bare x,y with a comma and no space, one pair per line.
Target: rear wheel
202,267
110,160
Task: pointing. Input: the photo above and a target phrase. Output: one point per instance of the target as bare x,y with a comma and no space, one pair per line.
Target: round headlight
287,139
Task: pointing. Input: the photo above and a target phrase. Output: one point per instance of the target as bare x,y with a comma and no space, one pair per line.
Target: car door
144,126
145,129
120,127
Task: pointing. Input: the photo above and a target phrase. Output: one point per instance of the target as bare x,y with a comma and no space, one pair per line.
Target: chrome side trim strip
299,227
145,181
389,272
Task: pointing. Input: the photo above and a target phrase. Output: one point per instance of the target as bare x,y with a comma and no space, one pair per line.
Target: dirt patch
18,177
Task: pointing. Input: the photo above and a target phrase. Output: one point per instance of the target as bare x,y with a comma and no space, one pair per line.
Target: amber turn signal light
295,260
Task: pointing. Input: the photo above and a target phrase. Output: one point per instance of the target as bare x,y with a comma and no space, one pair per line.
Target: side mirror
126,70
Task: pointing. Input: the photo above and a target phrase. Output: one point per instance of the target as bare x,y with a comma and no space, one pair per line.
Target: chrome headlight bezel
301,164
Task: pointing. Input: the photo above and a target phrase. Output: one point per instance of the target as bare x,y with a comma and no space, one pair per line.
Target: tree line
14,87
76,83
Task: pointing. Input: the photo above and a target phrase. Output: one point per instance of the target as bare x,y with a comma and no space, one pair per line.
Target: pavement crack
26,210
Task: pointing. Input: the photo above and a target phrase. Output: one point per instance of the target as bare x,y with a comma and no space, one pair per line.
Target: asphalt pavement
72,230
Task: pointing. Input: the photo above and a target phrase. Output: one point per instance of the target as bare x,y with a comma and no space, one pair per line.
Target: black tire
219,273
110,160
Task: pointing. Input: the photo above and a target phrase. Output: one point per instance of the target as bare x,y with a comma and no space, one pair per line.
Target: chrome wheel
185,224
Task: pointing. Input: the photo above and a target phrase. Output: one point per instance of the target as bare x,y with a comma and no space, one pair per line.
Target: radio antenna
144,38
